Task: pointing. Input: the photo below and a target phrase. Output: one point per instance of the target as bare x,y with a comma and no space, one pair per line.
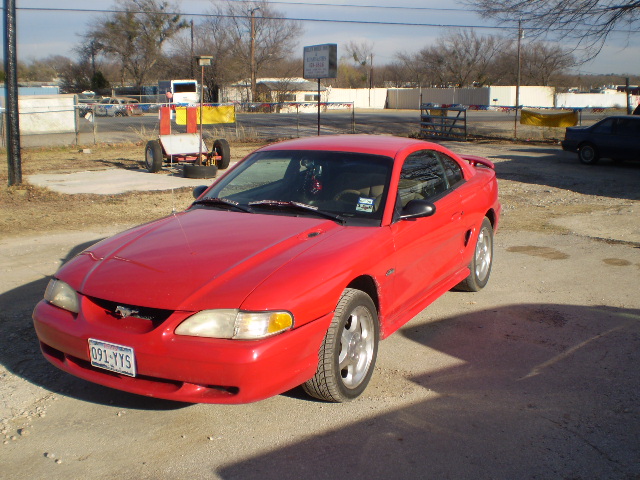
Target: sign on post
320,61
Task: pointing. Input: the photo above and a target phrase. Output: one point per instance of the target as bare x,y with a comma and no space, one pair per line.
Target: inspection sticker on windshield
110,356
365,205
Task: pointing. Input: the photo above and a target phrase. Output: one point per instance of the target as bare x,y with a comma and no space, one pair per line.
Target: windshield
351,185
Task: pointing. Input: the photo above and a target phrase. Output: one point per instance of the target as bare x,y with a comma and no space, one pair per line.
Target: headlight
235,324
62,295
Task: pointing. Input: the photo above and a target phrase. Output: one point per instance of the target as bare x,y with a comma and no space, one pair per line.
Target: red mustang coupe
286,271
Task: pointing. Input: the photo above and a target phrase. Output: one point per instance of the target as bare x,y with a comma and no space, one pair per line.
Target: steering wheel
340,196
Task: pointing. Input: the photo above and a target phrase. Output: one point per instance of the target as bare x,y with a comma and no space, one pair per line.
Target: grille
132,316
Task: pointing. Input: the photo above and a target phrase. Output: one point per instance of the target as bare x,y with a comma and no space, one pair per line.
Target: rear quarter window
452,170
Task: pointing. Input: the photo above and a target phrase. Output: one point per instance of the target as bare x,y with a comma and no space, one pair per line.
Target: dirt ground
31,209
534,377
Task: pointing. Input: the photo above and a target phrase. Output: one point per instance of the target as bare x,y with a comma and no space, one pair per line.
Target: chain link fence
124,119
71,123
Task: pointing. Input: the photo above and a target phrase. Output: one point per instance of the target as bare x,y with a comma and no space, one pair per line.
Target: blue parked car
616,137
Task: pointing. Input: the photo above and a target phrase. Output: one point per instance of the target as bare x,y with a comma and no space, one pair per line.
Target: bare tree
457,59
416,72
589,22
542,63
392,75
136,34
361,56
274,37
465,59
207,38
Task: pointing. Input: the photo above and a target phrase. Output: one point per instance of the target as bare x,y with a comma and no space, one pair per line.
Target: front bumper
181,368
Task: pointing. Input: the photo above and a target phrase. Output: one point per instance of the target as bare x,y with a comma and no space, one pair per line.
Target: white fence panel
361,97
47,114
595,100
530,96
403,98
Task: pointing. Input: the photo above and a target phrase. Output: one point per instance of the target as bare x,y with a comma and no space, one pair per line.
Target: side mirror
199,190
417,209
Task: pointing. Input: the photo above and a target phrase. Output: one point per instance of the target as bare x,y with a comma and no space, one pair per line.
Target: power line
382,7
320,20
315,20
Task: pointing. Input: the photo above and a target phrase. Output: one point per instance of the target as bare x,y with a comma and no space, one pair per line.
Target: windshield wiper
301,207
222,202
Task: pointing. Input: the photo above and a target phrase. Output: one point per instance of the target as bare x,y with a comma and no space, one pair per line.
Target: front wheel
480,266
588,154
348,353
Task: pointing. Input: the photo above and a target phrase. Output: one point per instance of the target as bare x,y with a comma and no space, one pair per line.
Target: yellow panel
562,119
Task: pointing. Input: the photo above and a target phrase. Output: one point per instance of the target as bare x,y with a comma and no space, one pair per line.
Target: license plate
110,356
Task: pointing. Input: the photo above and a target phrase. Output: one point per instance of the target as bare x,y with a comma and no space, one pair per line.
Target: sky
41,33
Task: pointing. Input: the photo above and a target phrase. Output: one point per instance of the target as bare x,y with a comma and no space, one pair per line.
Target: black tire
349,350
221,149
588,154
480,266
200,171
153,157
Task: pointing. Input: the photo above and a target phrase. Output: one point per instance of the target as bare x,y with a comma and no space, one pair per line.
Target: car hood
177,262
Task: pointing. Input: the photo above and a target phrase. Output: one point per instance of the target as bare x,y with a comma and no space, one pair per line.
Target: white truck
180,92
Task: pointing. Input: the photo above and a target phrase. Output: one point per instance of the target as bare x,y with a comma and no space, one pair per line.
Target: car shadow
20,351
521,391
556,168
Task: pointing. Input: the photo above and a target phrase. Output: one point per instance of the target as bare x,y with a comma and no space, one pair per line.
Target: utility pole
253,52
370,78
515,121
92,46
14,160
192,50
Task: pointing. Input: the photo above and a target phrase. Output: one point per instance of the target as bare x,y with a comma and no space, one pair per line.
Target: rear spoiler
474,160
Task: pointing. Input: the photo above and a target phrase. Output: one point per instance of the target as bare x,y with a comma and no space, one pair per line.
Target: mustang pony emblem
125,312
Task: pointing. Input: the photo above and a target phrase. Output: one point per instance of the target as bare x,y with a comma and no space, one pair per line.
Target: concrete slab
113,181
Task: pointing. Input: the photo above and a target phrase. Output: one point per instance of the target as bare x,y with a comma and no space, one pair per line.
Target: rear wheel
348,353
153,156
480,267
588,154
221,149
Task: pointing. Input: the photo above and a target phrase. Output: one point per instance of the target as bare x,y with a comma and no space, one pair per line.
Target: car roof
633,117
373,144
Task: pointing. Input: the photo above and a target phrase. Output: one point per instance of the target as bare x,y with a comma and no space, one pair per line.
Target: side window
606,127
627,126
452,170
422,177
